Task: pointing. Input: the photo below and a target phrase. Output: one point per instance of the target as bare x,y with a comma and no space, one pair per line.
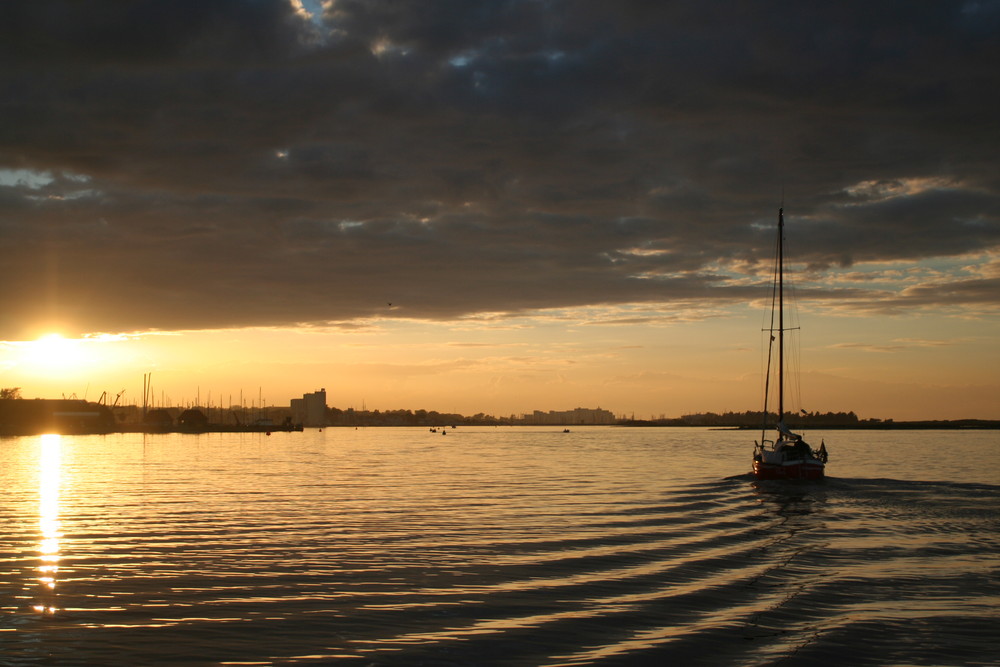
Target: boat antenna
781,314
771,329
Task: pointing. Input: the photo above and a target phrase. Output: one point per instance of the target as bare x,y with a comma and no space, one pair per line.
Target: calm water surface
497,546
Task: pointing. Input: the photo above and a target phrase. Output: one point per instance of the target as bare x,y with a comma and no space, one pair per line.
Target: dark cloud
224,163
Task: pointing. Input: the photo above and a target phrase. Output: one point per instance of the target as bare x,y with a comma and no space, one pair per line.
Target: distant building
310,410
158,419
578,416
20,416
193,420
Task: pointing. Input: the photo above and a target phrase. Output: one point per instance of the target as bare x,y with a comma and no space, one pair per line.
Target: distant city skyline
501,206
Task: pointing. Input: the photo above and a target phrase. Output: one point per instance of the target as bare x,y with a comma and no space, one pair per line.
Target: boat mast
781,315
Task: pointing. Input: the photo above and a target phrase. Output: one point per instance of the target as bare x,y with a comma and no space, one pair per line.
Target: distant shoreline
31,416
958,424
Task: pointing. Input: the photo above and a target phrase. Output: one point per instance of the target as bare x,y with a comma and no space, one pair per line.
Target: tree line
756,418
352,417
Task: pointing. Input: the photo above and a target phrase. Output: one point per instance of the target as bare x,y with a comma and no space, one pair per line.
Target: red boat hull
808,471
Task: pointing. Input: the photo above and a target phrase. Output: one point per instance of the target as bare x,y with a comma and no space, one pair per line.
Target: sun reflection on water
48,520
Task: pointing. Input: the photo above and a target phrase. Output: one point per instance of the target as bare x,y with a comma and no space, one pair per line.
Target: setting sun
52,352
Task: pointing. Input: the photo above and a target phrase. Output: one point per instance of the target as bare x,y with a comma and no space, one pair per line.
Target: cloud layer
193,165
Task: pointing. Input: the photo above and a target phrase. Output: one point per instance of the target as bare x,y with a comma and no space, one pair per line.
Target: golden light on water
49,462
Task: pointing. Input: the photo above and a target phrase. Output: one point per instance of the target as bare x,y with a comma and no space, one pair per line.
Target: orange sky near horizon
546,361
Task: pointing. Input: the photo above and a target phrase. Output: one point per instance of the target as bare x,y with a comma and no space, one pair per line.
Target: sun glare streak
49,463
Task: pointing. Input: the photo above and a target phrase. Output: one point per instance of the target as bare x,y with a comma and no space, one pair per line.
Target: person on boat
802,449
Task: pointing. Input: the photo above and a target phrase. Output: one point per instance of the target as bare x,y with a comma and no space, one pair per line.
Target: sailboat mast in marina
786,455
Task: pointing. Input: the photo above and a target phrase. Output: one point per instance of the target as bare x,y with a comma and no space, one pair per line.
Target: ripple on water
389,548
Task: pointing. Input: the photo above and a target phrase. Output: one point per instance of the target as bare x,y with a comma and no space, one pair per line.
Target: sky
501,206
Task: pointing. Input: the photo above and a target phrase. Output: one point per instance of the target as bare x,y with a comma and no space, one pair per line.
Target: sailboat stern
789,458
805,470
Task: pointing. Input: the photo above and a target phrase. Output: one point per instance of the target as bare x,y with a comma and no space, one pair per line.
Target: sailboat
786,455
